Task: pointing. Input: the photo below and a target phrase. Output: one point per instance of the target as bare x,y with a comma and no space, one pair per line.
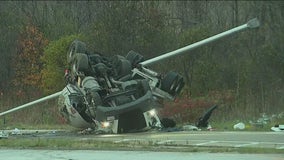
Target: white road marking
282,147
247,144
127,140
205,143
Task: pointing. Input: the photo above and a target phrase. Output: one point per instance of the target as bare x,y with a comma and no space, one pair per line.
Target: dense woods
242,73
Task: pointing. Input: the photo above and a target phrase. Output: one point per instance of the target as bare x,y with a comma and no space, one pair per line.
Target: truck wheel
134,58
80,63
75,47
172,83
122,66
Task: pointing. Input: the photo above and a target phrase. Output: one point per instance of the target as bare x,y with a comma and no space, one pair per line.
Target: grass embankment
71,144
24,126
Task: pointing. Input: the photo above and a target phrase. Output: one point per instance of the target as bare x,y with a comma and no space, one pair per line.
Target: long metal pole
31,103
250,24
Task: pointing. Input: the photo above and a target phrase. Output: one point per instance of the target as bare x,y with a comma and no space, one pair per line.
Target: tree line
240,72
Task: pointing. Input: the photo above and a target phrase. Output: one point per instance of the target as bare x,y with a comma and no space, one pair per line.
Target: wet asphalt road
274,140
124,155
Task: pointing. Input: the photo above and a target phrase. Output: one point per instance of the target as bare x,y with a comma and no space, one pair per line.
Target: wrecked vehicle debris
3,135
278,128
120,92
203,121
240,126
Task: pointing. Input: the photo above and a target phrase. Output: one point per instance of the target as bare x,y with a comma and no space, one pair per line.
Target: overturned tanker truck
118,93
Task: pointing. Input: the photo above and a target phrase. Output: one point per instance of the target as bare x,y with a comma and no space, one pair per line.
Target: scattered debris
240,126
86,131
261,121
265,119
278,128
3,135
280,115
171,129
53,132
203,121
16,131
190,128
209,128
168,123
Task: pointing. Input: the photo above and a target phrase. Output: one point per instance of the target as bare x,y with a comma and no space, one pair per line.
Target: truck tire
122,66
75,47
172,83
80,63
134,58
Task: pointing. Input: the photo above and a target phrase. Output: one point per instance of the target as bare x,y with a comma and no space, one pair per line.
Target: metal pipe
250,24
31,103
